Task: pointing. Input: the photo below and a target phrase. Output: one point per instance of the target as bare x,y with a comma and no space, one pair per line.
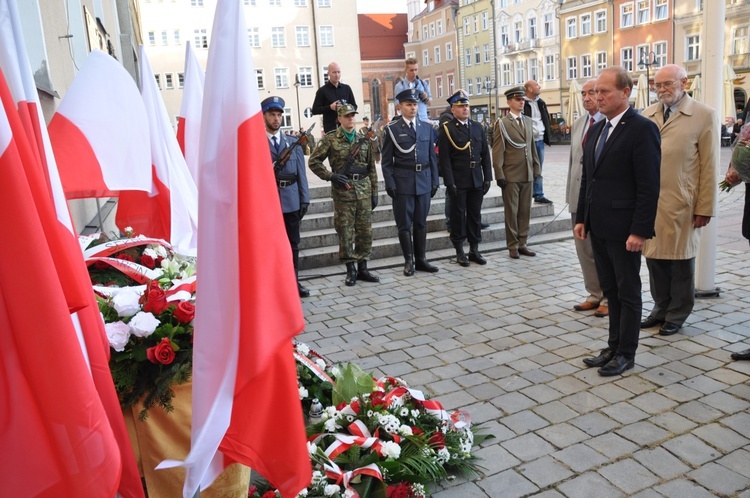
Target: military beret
272,103
347,109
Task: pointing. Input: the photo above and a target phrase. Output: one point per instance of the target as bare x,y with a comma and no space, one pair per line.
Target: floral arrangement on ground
146,295
376,438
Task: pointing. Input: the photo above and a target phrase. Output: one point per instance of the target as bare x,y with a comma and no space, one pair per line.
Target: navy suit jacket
293,195
620,192
409,181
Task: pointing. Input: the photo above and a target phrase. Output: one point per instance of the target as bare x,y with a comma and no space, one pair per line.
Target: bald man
331,96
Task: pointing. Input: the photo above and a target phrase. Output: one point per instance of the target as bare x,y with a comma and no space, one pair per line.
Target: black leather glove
486,187
452,190
303,209
374,201
502,182
339,179
433,191
391,192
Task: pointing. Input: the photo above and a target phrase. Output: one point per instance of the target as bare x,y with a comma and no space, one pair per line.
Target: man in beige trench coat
690,156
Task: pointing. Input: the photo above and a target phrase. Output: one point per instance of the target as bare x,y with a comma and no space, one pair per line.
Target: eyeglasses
666,84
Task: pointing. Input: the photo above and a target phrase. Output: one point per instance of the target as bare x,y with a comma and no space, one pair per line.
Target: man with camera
411,80
331,97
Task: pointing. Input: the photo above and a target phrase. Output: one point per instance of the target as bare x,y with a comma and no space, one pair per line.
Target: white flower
302,493
126,303
128,230
151,252
143,324
335,371
331,425
348,493
415,413
418,490
118,334
317,477
404,412
161,251
443,455
302,392
312,448
303,349
397,402
369,413
331,489
389,449
350,418
320,363
405,430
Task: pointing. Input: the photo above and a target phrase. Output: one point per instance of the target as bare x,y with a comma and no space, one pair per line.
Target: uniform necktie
667,113
602,140
585,135
411,125
520,123
275,144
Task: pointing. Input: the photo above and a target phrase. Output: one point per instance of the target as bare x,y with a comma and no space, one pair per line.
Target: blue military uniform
291,182
410,171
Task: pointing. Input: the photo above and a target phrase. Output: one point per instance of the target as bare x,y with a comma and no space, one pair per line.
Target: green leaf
353,382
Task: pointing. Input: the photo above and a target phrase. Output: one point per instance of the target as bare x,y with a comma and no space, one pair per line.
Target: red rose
154,284
251,491
401,490
125,257
161,353
148,261
157,301
269,494
185,312
437,440
416,430
101,265
377,399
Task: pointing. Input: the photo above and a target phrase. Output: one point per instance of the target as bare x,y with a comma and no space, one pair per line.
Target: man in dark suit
330,97
617,208
467,172
411,179
291,179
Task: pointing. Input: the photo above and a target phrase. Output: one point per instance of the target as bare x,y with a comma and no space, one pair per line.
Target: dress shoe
542,200
669,328
602,311
303,291
424,265
484,226
601,360
351,275
650,322
514,254
364,274
741,355
616,366
476,256
461,258
585,306
526,252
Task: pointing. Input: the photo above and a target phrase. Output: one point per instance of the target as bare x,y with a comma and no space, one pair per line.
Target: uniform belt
473,164
285,183
411,167
357,174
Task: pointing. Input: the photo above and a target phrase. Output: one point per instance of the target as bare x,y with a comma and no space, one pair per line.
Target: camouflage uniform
352,209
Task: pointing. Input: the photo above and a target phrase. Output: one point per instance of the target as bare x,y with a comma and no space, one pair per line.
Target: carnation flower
118,334
320,363
303,349
317,478
389,449
335,371
331,425
302,493
312,448
302,392
443,455
331,489
126,303
143,324
405,430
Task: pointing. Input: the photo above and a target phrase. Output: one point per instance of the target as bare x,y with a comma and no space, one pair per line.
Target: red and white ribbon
139,273
113,246
334,472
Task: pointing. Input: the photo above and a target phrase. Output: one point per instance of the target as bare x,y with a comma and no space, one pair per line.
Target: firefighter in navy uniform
291,179
467,172
411,179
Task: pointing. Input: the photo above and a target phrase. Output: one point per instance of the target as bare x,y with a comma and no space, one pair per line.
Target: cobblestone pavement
503,342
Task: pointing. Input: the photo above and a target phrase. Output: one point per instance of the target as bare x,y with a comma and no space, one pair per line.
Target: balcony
520,47
740,61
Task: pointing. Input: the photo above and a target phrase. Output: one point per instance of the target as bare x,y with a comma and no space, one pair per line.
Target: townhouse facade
477,61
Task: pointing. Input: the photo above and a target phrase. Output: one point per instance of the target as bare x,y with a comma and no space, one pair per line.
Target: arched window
375,98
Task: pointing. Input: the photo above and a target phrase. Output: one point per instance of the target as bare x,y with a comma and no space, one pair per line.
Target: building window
486,52
274,3
693,46
520,72
325,74
286,118
305,77
158,81
642,52
570,27
300,3
281,77
505,74
626,58
437,55
534,69
466,24
278,37
585,24
151,38
586,66
164,38
200,38
488,84
180,80
661,10
439,26
740,40
485,21
254,37
303,36
479,86
470,86
660,53
518,31
504,37
531,22
250,2
549,67
424,33
477,56
326,36
476,23
259,78
449,51
439,86
467,57
601,62
549,25
375,92
176,35
572,68
196,3
626,15
643,11
601,21
324,3
451,85
168,83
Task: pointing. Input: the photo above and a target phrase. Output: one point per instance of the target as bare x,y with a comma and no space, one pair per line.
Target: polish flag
246,405
189,120
170,212
100,132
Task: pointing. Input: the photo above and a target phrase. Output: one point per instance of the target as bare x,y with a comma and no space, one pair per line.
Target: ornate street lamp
648,60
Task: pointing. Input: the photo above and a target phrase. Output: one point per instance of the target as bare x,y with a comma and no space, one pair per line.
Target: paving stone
495,459
555,412
653,403
704,384
544,471
583,402
691,450
513,402
679,393
698,412
611,445
580,457
589,485
636,384
625,413
720,437
562,435
594,423
661,462
673,422
662,376
568,385
647,493
643,433
682,488
728,376
611,393
726,402
629,475
523,422
720,479
508,484
528,447
465,490
541,393
737,461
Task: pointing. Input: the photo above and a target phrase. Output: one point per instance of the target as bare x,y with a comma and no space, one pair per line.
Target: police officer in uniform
467,172
291,180
411,179
354,190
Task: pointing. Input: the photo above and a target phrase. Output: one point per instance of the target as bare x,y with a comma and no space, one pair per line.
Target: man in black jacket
331,96
536,109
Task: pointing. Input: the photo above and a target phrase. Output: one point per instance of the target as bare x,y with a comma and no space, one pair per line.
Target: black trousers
620,280
291,223
411,210
466,216
746,213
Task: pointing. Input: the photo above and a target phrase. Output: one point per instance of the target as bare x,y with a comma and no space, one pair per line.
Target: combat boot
461,258
364,274
420,246
475,255
404,239
303,291
351,274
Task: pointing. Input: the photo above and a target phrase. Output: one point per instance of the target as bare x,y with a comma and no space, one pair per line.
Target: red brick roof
382,36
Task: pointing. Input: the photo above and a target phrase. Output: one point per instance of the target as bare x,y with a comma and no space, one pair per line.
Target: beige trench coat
690,162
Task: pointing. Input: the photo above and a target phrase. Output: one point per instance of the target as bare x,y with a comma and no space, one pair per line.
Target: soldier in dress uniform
465,165
516,164
411,179
354,189
291,179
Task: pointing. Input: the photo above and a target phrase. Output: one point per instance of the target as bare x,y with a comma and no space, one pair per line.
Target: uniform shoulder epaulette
391,123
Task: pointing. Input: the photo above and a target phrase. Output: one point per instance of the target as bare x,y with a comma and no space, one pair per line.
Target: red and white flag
246,405
100,132
189,120
170,211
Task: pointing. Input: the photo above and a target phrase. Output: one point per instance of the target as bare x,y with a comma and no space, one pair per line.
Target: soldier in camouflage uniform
354,192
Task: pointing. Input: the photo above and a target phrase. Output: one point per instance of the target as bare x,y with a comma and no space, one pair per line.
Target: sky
381,6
